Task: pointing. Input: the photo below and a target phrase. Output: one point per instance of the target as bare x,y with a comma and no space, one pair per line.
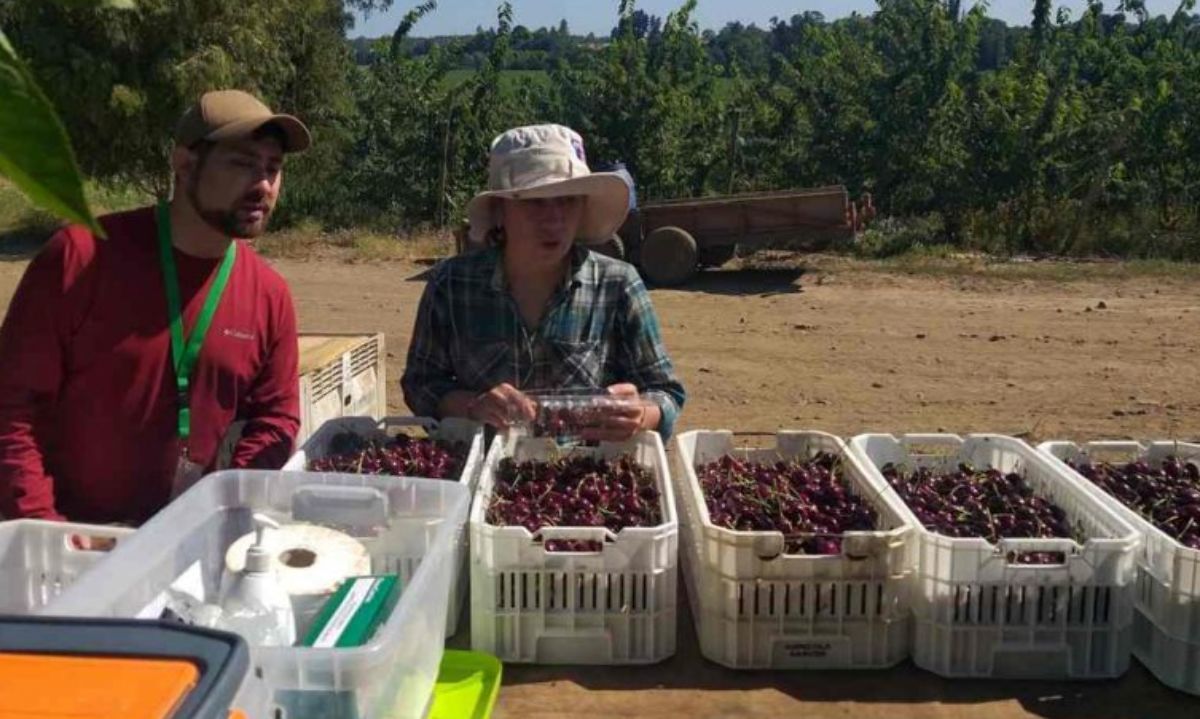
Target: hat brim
296,135
607,204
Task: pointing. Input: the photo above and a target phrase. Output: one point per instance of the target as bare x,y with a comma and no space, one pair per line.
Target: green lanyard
185,350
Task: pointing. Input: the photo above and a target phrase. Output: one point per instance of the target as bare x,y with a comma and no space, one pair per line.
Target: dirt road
848,349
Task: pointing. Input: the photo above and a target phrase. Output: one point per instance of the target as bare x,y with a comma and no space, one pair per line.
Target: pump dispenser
255,604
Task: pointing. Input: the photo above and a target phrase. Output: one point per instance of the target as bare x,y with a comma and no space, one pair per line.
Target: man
123,361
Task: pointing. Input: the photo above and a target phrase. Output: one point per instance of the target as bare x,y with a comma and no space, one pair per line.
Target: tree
649,102
420,143
128,76
35,152
407,23
747,47
1041,24
1074,134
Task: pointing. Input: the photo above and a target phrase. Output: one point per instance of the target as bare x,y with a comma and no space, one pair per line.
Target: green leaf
35,152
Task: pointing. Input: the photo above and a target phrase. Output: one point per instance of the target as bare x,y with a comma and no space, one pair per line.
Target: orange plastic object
42,686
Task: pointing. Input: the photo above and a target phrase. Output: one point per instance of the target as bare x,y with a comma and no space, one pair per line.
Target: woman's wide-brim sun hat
542,161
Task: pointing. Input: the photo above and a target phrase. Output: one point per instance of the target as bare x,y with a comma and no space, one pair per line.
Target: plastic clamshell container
564,414
409,527
1166,635
38,560
616,606
979,615
449,430
758,608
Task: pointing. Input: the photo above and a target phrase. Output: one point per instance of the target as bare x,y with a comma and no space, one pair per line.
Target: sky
461,17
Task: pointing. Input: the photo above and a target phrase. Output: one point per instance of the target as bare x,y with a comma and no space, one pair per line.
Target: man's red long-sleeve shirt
88,404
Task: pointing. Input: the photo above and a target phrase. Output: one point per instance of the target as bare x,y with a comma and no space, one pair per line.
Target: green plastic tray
467,685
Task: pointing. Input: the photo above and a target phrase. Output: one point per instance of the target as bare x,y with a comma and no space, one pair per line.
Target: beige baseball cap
234,115
541,161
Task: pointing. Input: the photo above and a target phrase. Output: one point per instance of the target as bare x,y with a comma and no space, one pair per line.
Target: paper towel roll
311,562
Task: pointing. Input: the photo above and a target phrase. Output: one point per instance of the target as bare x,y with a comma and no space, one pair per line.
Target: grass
943,262
939,262
915,246
105,199
23,227
307,241
411,247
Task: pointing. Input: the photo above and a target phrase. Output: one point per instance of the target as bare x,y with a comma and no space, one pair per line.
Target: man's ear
183,161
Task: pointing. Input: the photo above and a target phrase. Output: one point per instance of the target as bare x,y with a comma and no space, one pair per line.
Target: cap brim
295,134
607,196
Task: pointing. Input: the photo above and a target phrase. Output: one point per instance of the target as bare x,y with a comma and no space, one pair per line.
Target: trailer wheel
669,256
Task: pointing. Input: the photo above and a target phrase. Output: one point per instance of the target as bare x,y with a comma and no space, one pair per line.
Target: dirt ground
847,348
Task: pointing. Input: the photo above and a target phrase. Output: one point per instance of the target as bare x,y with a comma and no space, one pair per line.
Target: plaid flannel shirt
599,329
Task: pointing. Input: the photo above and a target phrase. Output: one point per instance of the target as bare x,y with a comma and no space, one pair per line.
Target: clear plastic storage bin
468,433
408,526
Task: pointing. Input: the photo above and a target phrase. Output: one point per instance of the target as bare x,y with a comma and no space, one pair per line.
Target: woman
534,310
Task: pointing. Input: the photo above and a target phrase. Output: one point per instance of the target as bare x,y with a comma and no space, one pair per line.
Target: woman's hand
502,406
622,422
92,543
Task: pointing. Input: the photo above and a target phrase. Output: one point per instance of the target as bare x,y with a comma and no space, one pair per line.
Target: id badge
187,473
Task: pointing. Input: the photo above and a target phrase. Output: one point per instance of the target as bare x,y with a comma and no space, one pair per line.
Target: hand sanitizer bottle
255,604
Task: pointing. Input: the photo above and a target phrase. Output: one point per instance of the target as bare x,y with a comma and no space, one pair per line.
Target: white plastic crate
978,614
1168,581
38,560
450,430
757,608
616,606
340,376
1174,661
402,522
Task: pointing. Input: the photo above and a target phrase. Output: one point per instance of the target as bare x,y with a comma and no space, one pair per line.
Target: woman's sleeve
429,371
642,357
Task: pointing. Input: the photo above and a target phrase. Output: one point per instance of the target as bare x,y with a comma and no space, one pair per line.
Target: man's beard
225,220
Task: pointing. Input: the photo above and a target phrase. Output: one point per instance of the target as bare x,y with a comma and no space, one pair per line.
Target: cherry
806,500
402,455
